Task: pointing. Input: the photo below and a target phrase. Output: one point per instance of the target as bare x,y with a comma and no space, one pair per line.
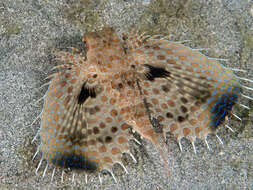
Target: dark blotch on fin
221,109
85,93
75,161
156,72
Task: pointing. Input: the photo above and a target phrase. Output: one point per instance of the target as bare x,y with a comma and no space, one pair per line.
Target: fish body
149,85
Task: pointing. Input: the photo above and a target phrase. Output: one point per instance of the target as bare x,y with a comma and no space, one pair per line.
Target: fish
132,83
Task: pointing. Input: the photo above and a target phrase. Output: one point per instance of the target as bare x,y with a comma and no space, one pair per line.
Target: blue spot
210,99
223,86
58,146
235,89
212,110
217,123
83,148
76,147
235,95
227,74
214,92
204,106
223,114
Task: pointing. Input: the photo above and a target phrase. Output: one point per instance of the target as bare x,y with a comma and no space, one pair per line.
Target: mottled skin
152,86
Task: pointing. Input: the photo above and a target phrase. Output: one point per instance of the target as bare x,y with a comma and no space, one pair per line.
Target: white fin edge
132,156
73,177
138,142
246,87
86,179
235,69
245,79
99,178
180,145
113,176
236,116
218,59
43,85
181,42
35,137
122,165
52,176
37,151
38,167
35,119
37,101
221,142
246,107
208,147
62,174
194,147
229,128
250,98
45,170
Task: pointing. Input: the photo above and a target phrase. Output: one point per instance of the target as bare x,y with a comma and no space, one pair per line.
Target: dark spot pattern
180,119
156,72
165,88
108,139
169,115
85,93
184,100
114,129
183,109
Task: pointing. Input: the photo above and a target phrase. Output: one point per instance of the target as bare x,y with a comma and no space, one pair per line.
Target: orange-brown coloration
115,151
152,86
186,131
173,127
122,140
102,149
125,126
